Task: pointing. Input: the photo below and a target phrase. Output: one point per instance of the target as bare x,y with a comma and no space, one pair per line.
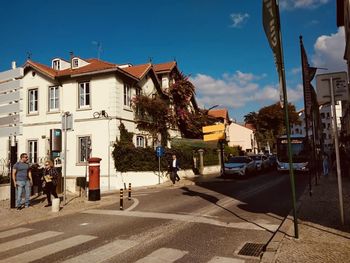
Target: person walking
50,178
325,164
22,179
175,166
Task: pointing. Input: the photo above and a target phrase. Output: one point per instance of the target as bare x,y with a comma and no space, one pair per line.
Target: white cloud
294,4
238,19
238,90
329,51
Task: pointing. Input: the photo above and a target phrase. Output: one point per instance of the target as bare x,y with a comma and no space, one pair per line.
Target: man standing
22,179
175,166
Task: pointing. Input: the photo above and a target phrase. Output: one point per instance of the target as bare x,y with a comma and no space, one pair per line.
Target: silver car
239,165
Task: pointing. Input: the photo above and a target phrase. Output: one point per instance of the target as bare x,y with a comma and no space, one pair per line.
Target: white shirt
174,163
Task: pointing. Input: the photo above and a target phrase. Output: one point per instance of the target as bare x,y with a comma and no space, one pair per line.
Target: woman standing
50,177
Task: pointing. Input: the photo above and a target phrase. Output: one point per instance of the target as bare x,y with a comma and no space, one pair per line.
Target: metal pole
109,158
290,159
65,159
86,164
159,169
13,160
336,146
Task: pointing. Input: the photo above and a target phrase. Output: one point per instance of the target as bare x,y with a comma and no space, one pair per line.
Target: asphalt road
210,221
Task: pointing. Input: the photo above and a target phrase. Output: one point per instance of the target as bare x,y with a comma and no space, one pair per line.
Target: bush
4,179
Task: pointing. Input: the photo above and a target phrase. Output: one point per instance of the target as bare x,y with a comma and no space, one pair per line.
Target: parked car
261,161
239,165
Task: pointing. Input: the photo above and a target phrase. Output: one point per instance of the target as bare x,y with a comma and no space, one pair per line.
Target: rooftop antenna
150,60
29,55
99,48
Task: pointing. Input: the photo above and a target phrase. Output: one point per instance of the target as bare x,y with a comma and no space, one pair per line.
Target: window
75,63
54,98
33,101
127,95
56,64
84,95
328,115
140,141
33,151
322,115
84,148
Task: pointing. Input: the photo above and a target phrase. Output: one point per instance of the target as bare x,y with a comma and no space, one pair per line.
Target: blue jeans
23,185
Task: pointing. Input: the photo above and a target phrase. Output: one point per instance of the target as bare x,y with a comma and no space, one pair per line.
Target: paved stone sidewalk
322,237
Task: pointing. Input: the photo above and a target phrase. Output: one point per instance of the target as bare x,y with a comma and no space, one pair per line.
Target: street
210,221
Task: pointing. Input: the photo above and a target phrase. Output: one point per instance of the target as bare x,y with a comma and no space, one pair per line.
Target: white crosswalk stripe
225,260
13,232
27,240
163,255
104,252
47,250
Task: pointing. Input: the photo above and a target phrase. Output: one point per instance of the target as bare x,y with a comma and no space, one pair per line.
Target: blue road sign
159,151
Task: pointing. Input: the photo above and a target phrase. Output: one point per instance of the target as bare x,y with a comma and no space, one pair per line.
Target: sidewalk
36,212
322,237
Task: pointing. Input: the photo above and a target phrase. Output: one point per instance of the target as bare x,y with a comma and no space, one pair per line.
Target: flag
309,92
271,23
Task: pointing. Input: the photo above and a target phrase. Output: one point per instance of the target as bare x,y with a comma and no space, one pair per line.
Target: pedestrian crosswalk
21,237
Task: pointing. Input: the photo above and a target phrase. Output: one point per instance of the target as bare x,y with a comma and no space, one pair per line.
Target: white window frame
127,95
33,101
75,63
81,147
140,141
54,101
56,64
32,150
84,92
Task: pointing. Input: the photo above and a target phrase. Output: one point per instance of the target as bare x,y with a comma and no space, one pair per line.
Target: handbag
47,178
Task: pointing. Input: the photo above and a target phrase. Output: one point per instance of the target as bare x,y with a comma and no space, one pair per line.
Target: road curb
269,256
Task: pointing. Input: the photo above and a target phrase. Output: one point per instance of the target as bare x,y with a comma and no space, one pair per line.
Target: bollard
129,193
121,199
55,205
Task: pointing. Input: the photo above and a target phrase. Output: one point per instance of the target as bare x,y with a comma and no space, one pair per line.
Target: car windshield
238,160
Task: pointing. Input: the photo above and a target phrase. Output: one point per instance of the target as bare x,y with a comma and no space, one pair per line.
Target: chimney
13,64
71,55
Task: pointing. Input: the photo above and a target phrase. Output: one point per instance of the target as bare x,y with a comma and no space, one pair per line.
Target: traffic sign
214,132
214,136
340,85
159,151
214,128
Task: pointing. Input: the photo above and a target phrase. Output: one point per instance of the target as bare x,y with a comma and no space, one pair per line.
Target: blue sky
220,44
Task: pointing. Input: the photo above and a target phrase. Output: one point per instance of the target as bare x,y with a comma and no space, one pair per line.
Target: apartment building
326,124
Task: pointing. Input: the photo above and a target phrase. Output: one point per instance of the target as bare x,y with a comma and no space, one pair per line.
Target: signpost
331,88
160,153
216,133
67,121
10,107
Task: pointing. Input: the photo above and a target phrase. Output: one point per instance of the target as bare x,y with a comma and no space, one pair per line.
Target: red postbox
94,179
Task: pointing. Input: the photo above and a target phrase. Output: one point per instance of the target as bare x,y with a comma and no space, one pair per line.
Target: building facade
97,96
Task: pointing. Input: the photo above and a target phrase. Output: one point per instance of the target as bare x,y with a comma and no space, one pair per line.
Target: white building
98,95
236,134
326,124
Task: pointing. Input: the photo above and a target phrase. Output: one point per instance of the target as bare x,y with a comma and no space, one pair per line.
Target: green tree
269,122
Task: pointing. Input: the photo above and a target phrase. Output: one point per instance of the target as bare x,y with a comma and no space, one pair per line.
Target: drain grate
251,249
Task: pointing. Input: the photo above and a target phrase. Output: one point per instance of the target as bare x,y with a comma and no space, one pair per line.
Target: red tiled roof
138,71
164,67
249,126
219,113
93,66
